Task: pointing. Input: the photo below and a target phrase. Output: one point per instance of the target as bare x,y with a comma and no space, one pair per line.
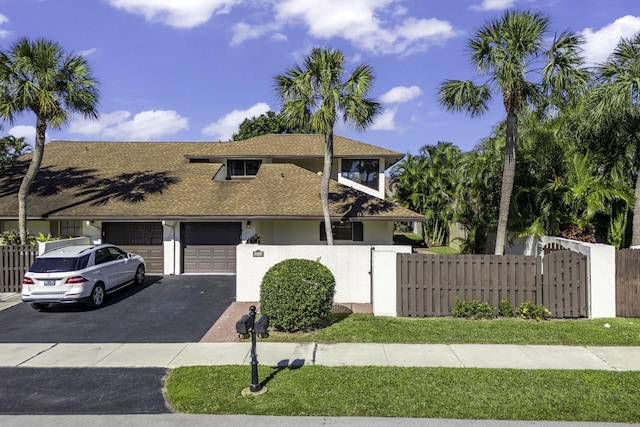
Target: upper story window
363,171
242,168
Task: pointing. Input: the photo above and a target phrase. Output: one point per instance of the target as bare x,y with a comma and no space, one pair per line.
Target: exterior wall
55,244
33,227
171,247
308,233
368,277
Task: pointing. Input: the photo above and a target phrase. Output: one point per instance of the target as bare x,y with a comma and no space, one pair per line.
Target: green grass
411,392
374,329
441,250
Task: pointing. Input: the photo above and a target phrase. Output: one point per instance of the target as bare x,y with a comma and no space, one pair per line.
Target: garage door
142,238
210,247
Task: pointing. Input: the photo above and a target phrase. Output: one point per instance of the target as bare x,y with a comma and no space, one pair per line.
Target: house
185,206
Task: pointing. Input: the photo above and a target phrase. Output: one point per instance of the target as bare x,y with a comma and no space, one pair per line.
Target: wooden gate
565,286
628,283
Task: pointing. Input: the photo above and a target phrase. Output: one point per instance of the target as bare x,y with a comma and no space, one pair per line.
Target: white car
80,273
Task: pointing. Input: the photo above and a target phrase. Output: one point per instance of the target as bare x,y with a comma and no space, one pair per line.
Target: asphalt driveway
170,309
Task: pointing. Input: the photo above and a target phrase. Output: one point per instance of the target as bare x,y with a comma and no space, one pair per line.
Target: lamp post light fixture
248,327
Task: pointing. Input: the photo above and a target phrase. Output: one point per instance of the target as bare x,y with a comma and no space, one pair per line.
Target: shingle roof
138,180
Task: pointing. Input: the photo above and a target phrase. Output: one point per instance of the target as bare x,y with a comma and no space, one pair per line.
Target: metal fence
427,285
14,262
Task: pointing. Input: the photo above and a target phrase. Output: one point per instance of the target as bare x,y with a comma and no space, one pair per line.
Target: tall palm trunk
635,230
508,176
324,185
32,171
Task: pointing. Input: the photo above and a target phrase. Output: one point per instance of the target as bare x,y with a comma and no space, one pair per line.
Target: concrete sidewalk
111,355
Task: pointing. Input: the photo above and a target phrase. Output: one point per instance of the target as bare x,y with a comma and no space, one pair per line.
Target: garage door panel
210,259
210,247
153,257
142,238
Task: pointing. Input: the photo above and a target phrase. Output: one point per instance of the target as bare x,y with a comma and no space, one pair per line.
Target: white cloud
385,121
493,5
400,94
224,128
356,21
88,52
26,132
4,33
145,126
599,44
178,14
243,31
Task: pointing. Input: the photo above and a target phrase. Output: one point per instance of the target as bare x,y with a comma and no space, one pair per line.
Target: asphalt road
57,391
170,309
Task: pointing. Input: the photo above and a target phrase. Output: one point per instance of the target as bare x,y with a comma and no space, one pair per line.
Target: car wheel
139,277
39,305
96,299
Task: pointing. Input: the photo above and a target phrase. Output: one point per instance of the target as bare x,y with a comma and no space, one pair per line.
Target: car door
124,265
106,268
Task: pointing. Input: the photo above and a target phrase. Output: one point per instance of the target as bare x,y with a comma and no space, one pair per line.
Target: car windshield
52,265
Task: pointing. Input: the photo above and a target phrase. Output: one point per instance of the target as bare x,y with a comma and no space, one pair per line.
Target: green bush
297,294
473,309
504,308
529,310
12,237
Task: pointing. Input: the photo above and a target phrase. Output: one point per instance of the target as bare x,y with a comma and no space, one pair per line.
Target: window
363,172
236,168
69,228
344,230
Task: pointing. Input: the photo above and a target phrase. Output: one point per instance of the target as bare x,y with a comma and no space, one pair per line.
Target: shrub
12,237
473,309
297,294
504,308
529,310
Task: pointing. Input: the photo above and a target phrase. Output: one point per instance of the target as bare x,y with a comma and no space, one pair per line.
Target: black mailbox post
247,327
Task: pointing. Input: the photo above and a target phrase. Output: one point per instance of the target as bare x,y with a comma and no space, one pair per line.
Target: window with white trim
362,171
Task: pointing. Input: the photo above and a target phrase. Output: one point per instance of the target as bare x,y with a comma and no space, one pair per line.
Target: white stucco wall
350,265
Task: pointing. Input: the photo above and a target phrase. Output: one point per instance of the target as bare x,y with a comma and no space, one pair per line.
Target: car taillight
74,280
27,281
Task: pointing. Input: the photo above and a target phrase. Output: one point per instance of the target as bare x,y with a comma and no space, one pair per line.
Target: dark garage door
210,247
142,238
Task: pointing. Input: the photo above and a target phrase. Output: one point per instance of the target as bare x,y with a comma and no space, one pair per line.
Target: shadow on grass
282,365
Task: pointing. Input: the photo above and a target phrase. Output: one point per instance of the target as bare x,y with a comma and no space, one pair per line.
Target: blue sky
192,70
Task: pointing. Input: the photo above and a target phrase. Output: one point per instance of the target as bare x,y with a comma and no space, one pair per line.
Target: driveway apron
170,309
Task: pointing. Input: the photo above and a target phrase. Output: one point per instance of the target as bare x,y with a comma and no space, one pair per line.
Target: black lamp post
247,327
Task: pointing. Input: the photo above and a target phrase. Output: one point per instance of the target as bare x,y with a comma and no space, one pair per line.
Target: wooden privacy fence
628,283
427,285
14,262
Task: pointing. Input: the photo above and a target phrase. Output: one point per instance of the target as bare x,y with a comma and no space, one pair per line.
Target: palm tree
40,77
508,51
315,95
11,148
618,96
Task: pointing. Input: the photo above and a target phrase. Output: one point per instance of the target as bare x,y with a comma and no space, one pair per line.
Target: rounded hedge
297,294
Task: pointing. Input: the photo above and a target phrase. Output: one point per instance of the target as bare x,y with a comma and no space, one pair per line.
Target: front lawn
374,329
504,394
